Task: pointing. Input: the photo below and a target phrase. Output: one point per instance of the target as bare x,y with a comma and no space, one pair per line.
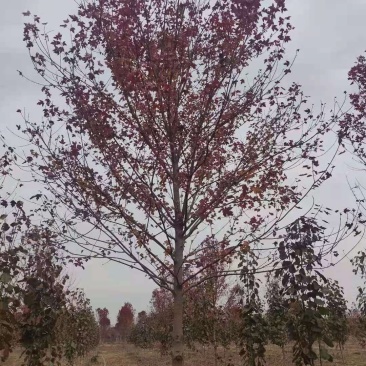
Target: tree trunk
177,334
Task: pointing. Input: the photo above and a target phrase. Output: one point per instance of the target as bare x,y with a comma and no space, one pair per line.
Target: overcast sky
330,35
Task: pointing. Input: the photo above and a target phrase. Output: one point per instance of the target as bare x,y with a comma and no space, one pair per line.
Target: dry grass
129,355
15,360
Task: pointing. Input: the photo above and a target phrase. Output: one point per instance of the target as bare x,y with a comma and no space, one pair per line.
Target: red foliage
103,319
164,136
125,319
104,322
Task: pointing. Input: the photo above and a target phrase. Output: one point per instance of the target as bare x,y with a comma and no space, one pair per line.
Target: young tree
277,312
163,136
104,322
233,309
125,319
306,287
161,316
253,325
204,307
45,299
37,309
77,328
11,267
358,319
142,334
336,320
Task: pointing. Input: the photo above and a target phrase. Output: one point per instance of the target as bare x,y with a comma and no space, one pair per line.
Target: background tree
336,321
77,329
142,332
161,316
206,297
233,307
164,136
125,319
253,333
358,317
104,322
277,312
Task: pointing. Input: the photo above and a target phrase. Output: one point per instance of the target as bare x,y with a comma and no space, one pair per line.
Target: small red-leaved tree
125,319
161,315
104,322
163,136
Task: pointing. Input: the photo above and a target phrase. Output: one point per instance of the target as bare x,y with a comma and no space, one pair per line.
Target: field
127,355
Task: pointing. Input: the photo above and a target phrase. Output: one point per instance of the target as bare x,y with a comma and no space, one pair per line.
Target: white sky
330,35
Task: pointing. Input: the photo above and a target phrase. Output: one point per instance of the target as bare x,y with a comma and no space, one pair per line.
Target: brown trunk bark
177,334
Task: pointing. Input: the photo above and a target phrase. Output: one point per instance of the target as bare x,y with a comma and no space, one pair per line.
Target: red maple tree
104,322
164,137
125,320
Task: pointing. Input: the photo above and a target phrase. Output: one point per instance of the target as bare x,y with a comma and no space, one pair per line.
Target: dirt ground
128,355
